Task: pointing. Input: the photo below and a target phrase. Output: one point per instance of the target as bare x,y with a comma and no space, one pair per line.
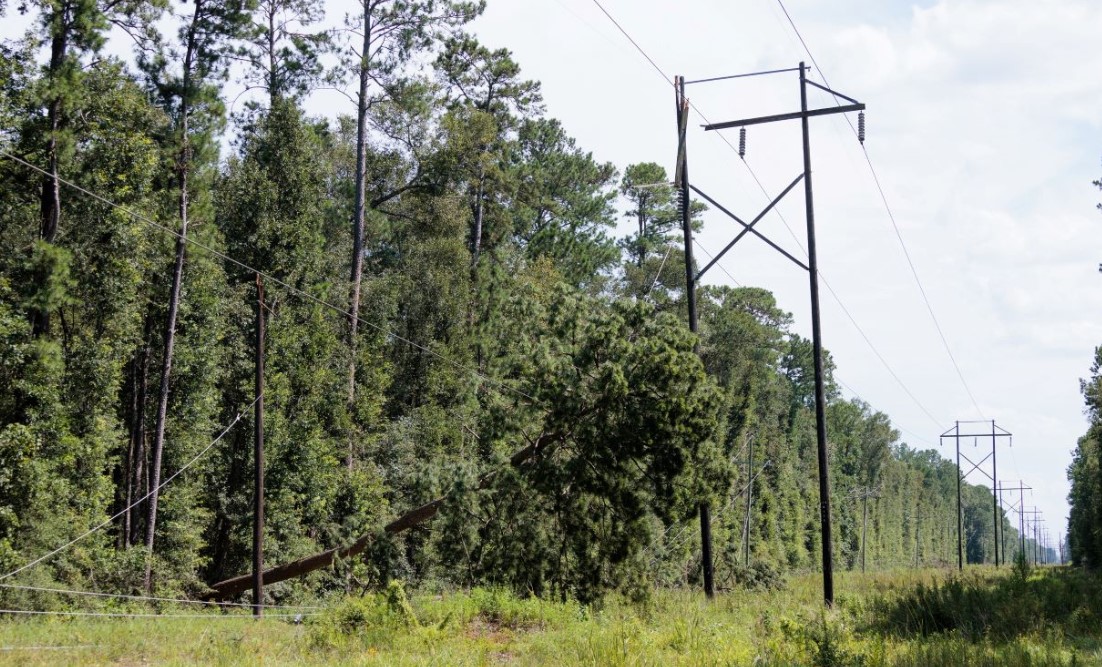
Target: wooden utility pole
749,503
996,433
865,493
258,458
682,182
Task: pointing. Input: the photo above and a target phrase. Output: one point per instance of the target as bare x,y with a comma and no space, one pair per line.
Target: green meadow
1048,616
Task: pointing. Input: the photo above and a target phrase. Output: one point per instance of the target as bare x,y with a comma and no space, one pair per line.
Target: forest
1085,471
454,326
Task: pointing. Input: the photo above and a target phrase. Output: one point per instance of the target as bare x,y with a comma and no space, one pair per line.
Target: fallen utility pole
237,585
682,178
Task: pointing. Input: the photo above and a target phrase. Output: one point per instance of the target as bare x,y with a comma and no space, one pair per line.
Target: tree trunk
183,169
358,227
237,585
476,236
50,199
136,466
50,195
273,81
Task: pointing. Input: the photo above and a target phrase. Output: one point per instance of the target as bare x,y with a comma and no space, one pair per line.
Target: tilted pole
817,344
690,297
804,114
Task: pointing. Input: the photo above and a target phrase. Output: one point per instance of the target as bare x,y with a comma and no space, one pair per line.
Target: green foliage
283,57
982,605
627,428
496,316
484,626
1085,475
824,642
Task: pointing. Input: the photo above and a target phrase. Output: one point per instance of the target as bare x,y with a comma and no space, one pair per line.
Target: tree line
445,288
1085,474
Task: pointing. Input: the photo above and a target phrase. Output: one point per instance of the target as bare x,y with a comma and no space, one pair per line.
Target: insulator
861,126
742,142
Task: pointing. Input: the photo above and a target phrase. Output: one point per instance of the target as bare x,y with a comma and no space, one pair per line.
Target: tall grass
907,618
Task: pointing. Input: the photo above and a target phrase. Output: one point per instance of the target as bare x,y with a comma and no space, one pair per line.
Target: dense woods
445,287
1085,471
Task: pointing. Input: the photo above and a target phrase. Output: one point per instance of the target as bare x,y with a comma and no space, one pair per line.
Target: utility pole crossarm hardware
804,114
956,436
759,120
682,179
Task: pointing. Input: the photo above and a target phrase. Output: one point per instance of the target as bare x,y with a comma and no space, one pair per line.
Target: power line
148,598
633,42
242,617
135,503
765,192
895,224
834,376
294,290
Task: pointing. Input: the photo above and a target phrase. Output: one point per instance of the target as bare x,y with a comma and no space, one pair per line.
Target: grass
927,618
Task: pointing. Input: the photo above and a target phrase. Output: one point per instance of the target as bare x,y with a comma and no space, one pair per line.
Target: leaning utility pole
812,266
682,179
258,458
955,435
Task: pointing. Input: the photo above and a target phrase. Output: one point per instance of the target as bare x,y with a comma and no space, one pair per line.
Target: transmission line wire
149,598
290,288
895,224
856,395
765,192
102,614
162,485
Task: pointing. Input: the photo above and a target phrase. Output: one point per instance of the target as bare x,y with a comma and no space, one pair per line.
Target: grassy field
1050,617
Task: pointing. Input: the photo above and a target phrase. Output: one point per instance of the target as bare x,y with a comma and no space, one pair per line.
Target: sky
984,127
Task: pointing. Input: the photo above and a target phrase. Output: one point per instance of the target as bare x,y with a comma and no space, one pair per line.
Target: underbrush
985,605
924,619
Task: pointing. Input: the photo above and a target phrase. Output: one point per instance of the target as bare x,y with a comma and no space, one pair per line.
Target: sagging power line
811,267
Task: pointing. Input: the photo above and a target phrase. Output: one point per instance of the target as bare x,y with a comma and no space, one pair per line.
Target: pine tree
190,91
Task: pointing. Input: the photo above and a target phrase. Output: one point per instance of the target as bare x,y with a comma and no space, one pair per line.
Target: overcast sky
984,127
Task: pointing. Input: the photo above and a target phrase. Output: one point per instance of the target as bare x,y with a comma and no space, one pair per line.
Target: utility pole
1033,521
803,115
682,179
749,503
918,539
1021,489
258,458
955,435
864,494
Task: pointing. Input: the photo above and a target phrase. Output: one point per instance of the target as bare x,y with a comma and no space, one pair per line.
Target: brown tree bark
183,169
358,224
237,585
